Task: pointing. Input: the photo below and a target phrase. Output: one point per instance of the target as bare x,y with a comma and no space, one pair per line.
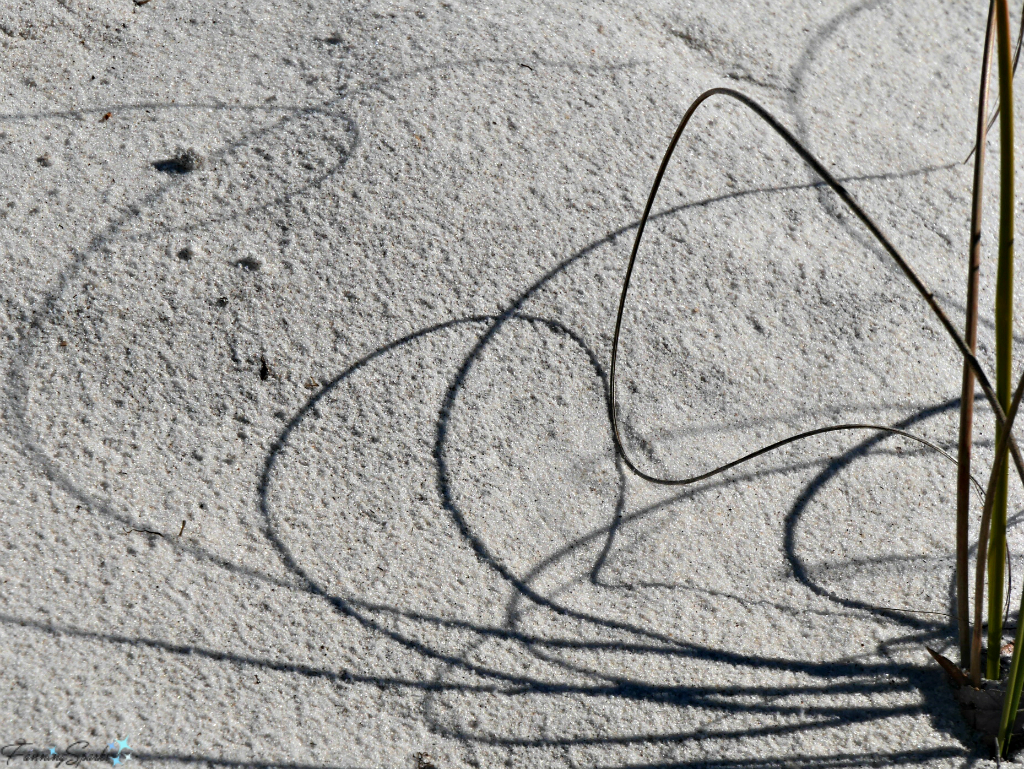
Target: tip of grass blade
955,674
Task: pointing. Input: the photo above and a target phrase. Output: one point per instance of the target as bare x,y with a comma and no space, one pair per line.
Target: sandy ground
306,314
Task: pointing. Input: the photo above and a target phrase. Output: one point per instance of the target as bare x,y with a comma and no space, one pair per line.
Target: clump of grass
1004,401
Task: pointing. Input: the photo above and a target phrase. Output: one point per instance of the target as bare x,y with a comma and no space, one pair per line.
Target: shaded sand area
307,312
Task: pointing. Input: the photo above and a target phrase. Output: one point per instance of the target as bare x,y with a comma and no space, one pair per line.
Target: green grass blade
1013,690
1015,682
1004,331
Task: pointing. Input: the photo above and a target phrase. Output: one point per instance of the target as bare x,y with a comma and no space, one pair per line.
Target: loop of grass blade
793,439
965,445
841,192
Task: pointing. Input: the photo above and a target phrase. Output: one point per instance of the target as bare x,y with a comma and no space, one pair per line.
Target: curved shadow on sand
799,568
844,676
712,699
18,387
523,591
510,683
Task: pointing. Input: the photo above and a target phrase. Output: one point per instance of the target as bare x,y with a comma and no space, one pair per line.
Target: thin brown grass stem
1016,61
963,485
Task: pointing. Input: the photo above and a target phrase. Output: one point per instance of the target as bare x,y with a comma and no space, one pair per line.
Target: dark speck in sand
184,161
248,264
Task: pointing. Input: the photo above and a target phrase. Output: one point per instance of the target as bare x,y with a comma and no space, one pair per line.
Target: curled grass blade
844,195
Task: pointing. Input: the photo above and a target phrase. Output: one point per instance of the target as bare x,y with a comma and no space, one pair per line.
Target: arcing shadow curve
519,681
364,614
18,386
353,608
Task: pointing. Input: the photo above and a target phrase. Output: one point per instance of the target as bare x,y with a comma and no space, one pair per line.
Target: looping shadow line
362,611
352,608
509,684
512,684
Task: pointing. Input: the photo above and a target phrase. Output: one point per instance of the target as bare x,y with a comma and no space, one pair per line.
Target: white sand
400,538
